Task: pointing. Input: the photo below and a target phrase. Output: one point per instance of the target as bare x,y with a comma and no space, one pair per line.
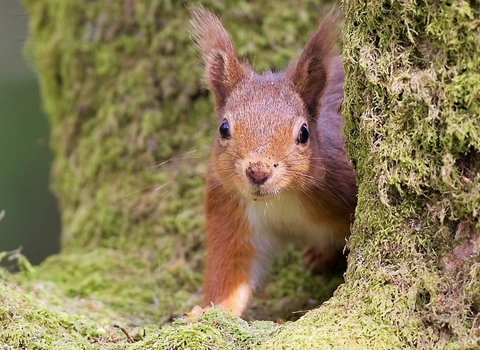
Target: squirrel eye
303,134
224,130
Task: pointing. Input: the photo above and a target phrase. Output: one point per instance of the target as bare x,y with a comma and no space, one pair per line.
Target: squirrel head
266,141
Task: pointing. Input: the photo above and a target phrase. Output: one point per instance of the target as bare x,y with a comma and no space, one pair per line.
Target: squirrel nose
257,175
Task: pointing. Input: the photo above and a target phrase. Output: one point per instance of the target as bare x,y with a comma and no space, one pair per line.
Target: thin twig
129,337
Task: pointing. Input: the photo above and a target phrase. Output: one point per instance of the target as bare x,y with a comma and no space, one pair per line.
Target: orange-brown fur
266,180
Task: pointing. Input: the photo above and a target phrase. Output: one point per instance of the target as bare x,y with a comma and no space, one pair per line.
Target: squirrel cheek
224,167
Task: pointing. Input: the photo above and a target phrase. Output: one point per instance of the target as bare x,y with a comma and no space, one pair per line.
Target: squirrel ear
223,71
309,75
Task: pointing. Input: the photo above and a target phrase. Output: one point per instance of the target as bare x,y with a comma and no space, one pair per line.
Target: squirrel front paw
196,311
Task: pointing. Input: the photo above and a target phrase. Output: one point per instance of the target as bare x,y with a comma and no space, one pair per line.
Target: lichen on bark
131,126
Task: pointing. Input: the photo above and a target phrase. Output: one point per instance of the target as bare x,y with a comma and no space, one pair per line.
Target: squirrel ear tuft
310,73
223,70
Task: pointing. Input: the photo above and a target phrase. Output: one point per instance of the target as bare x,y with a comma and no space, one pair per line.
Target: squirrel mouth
257,193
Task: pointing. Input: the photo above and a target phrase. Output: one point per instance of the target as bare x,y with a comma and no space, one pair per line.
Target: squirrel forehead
267,99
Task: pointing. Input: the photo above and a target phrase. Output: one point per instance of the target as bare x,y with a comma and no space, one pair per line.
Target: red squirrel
278,170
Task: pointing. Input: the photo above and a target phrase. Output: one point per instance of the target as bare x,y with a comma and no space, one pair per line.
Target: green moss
30,321
58,307
215,329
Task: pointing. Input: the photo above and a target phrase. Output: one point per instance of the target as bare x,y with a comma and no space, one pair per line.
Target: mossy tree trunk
121,84
413,127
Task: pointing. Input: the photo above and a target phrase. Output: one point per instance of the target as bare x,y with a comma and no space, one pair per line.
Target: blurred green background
31,212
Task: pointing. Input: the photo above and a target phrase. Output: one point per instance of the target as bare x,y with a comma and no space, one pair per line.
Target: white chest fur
284,218
281,220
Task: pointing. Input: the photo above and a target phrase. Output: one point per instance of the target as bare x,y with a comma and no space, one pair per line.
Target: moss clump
138,287
215,329
120,304
39,317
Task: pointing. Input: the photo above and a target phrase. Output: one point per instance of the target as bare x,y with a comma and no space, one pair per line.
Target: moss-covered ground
131,126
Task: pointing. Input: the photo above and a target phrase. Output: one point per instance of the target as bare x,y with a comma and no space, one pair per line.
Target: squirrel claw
196,311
